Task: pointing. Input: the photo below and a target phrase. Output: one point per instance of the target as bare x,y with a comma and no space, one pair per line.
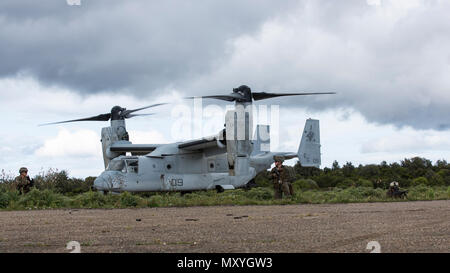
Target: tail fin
309,150
261,140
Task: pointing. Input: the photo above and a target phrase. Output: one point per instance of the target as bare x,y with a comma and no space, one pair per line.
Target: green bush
419,181
43,199
157,200
4,200
59,182
305,184
262,179
405,183
445,175
91,200
364,183
434,179
346,183
423,192
327,180
420,188
129,200
259,194
13,196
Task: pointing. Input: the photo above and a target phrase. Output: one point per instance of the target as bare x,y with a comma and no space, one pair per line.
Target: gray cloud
134,45
389,62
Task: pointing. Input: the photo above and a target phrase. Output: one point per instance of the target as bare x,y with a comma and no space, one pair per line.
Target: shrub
129,200
434,179
262,179
157,200
445,175
259,194
59,181
305,184
419,188
90,200
43,199
327,180
419,181
346,183
4,200
405,183
364,183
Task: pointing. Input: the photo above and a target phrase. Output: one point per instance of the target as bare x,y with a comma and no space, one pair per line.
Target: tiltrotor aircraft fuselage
231,159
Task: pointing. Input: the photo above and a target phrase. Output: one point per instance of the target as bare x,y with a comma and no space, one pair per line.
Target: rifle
31,181
277,172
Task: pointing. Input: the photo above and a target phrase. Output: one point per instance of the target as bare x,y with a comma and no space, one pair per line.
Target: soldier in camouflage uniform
23,181
281,179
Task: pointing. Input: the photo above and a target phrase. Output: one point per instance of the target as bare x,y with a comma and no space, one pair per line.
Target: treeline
339,184
54,180
409,172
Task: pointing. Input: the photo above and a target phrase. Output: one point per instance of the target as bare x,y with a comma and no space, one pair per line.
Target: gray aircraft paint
169,168
222,161
309,150
262,160
261,140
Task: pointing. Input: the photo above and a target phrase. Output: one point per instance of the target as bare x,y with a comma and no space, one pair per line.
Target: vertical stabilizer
309,150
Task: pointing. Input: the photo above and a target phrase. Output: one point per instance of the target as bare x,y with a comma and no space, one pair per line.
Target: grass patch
48,199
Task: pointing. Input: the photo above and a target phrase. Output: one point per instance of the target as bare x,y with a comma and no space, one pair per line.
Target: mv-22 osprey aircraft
228,160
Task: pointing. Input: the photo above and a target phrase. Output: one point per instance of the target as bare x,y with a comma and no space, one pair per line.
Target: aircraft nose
100,183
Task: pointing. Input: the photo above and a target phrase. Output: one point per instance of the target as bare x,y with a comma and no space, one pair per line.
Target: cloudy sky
389,62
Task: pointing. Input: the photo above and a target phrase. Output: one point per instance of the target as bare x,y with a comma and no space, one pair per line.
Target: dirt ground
397,227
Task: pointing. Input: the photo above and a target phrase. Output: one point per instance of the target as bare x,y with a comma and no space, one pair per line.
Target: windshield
116,165
132,166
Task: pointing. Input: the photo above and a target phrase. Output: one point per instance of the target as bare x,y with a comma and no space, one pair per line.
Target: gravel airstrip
396,226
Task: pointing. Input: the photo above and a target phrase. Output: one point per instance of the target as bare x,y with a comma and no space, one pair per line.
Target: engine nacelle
238,126
116,133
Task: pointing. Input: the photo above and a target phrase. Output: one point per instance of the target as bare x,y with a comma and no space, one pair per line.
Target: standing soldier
281,179
23,181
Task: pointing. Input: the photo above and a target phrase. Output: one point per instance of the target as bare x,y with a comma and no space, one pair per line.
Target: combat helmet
278,158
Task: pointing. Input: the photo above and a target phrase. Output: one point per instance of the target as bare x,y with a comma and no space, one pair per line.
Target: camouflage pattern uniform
23,183
281,182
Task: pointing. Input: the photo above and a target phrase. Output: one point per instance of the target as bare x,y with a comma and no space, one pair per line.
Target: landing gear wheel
219,189
251,184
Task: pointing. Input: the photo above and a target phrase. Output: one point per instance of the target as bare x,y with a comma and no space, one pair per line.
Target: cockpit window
124,165
132,166
116,165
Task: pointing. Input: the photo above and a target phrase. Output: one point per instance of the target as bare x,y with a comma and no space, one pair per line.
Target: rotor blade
264,95
139,115
230,97
127,112
102,117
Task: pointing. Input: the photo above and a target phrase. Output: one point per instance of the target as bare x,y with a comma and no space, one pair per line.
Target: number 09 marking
176,182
